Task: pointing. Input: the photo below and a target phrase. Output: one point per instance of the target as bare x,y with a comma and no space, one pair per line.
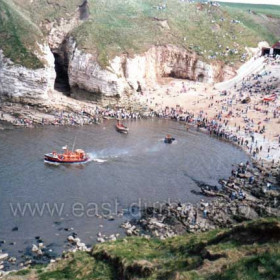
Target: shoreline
231,203
205,128
252,191
238,199
249,193
254,126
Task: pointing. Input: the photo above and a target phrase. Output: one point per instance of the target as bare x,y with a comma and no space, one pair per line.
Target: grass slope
133,26
43,11
18,36
261,19
116,26
249,251
268,10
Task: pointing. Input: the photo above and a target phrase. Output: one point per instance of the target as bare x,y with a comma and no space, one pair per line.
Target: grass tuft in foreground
247,251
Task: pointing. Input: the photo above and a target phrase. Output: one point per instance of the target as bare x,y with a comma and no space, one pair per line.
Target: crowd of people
244,123
85,116
242,114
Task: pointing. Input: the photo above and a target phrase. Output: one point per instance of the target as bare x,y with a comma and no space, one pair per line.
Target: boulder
246,212
3,256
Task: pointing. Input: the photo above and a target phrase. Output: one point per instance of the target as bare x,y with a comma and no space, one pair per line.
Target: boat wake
99,160
51,163
107,154
153,149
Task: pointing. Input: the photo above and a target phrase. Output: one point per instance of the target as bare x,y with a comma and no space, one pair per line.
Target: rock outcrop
86,74
124,73
88,80
19,82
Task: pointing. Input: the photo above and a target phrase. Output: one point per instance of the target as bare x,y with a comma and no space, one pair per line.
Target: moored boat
121,128
168,139
77,156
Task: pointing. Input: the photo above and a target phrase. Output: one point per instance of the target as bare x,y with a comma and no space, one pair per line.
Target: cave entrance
172,74
265,51
276,52
200,78
62,79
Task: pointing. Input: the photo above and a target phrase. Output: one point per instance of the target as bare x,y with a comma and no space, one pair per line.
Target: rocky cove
205,205
79,74
73,80
184,203
250,193
126,159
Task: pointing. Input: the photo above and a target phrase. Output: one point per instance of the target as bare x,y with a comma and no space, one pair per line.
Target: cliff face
124,73
171,61
86,74
88,80
20,82
106,33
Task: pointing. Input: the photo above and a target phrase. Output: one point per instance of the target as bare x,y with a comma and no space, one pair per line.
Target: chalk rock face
18,81
171,61
124,73
85,73
120,78
58,31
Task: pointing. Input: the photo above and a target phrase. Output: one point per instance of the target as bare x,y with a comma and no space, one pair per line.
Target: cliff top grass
261,19
131,27
247,251
268,10
18,36
115,27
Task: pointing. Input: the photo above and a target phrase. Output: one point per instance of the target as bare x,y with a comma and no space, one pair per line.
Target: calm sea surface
135,168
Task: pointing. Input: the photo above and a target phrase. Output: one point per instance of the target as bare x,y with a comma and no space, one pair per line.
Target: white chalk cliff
19,82
120,78
123,73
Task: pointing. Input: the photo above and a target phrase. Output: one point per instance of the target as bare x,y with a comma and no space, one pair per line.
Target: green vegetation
116,26
44,11
247,251
263,266
22,272
18,36
268,10
133,26
261,19
79,266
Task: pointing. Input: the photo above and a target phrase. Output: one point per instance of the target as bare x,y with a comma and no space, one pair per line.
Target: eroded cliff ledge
87,80
18,82
125,73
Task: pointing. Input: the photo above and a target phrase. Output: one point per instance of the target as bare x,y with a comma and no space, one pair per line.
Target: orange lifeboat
77,156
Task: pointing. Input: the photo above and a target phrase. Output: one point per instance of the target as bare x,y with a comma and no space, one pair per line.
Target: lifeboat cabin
77,156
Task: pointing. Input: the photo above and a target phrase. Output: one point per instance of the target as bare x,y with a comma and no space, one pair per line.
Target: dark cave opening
62,78
200,78
276,52
172,74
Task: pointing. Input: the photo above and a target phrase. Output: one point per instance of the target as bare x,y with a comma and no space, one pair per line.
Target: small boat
121,128
168,139
77,156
